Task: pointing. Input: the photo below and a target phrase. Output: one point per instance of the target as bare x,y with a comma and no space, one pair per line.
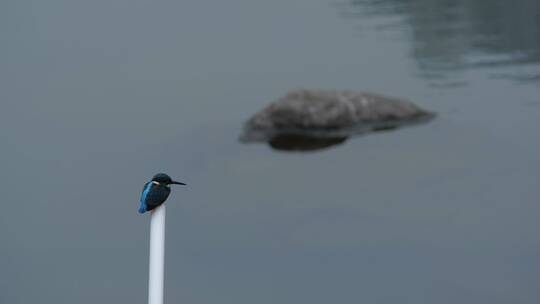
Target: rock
330,114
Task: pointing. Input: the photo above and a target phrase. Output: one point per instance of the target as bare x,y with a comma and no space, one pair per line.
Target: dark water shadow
303,143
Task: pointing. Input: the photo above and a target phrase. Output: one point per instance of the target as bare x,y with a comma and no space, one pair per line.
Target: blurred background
97,96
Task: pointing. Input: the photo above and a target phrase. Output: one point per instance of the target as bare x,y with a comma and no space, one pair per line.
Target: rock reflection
451,36
302,143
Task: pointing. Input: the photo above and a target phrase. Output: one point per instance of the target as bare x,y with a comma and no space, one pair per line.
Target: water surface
99,95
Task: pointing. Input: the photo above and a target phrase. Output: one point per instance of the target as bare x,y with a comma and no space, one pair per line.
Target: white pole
157,256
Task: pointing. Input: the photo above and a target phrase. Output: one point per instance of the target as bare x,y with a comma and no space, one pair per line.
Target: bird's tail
142,209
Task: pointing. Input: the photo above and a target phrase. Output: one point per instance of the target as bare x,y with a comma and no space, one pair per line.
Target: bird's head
164,179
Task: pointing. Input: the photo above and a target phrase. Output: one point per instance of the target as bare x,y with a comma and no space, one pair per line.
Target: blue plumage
144,197
156,192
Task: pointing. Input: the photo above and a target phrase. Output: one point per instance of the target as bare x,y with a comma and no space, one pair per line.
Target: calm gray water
99,95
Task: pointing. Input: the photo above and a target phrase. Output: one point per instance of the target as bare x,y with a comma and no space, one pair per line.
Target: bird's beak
178,183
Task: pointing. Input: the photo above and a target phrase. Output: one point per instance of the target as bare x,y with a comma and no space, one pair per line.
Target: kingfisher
156,191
